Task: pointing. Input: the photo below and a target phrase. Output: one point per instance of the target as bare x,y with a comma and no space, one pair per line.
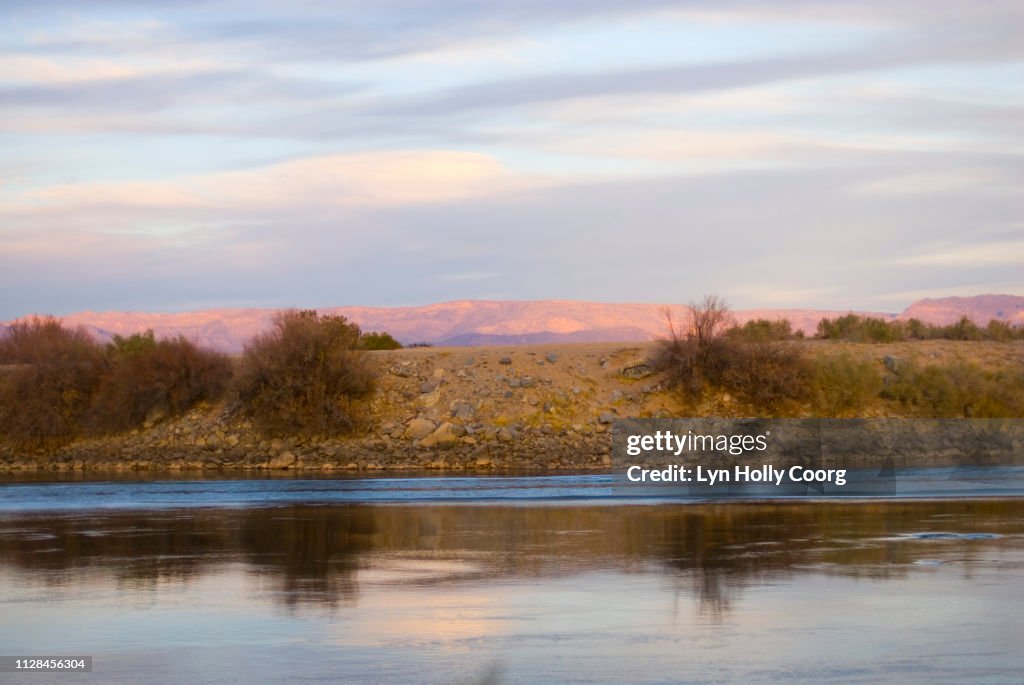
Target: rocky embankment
542,407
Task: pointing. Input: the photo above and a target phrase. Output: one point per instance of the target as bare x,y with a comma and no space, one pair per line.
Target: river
566,579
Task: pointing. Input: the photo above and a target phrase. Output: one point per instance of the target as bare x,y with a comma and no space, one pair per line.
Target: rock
431,398
417,428
506,434
527,382
444,435
463,411
438,373
638,368
514,383
282,461
892,363
551,357
429,386
155,416
400,371
605,417
505,361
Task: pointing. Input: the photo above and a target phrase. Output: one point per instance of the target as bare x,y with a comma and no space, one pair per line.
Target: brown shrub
155,376
958,390
764,330
306,376
44,398
702,357
844,385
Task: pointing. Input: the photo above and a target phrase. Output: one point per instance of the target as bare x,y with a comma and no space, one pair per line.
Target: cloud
935,182
328,181
792,233
696,78
29,68
817,153
966,255
158,91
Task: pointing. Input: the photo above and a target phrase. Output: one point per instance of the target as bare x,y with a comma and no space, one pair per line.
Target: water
510,580
30,494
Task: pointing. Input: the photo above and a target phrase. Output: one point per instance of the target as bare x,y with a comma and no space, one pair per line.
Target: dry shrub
148,376
306,376
702,357
767,374
844,385
378,341
870,329
46,393
764,330
958,390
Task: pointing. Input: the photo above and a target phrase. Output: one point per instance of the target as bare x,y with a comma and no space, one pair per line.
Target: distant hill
480,322
980,308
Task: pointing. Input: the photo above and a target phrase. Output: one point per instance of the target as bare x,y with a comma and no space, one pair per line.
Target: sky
189,154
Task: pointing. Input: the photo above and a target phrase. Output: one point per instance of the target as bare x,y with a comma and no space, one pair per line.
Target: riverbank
540,407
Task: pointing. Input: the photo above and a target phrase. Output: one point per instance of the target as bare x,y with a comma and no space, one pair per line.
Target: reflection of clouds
445,616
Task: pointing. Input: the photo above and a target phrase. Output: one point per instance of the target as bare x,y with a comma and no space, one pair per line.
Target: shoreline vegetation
317,393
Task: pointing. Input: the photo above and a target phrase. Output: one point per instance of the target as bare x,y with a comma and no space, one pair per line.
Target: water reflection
310,555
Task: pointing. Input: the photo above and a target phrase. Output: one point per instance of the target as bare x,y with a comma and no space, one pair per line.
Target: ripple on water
950,536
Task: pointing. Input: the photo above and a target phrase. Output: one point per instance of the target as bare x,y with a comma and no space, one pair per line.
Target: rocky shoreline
542,408
457,409
195,443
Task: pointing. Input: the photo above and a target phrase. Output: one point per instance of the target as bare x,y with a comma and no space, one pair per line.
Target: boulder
444,435
894,364
283,460
418,428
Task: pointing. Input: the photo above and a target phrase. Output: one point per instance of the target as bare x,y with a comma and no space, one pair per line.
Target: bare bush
44,398
306,376
148,376
700,357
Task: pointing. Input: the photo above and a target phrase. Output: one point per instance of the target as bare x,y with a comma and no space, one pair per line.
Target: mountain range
481,322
